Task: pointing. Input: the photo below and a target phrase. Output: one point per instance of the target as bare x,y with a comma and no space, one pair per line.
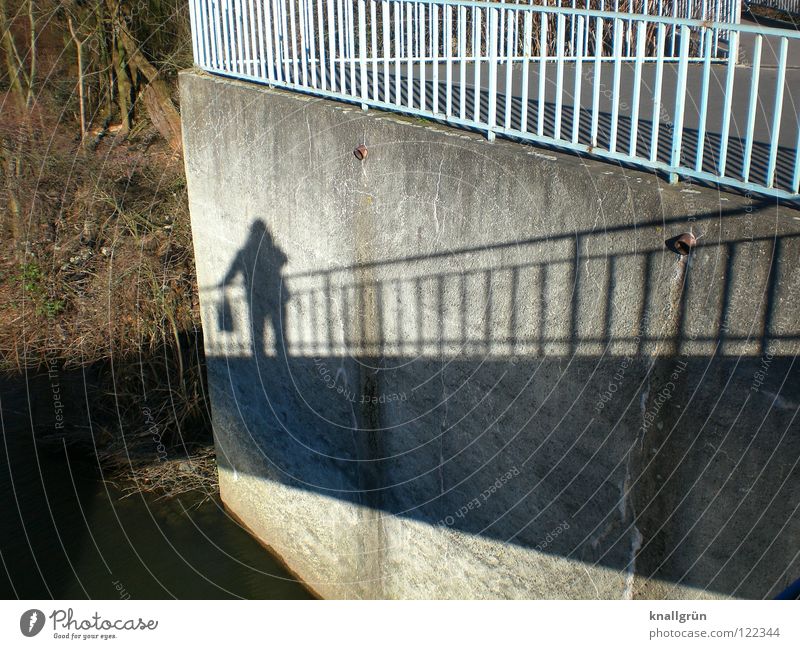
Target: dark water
66,533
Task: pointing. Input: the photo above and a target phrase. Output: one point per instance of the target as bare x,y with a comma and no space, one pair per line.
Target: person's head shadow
260,261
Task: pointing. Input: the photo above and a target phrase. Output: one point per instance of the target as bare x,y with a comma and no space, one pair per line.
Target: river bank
70,532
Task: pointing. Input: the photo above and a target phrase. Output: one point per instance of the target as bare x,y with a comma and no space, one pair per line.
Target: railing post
680,97
701,127
617,55
752,107
598,61
492,118
196,31
560,28
526,55
362,52
726,108
777,112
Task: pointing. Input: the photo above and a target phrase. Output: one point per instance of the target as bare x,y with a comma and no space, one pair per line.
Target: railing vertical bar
510,40
209,37
293,36
205,38
572,27
204,29
637,86
312,53
618,27
273,29
448,13
674,26
221,36
493,29
435,53
598,59
262,47
330,11
243,36
728,104
303,53
253,29
387,39
542,73
215,37
627,26
196,31
208,34
501,41
560,26
462,63
271,58
373,33
224,16
248,35
240,36
362,51
701,128
795,187
338,53
476,54
680,101
397,55
236,34
285,43
231,34
526,55
661,34
576,93
340,32
409,55
751,108
776,116
351,44
323,27
422,58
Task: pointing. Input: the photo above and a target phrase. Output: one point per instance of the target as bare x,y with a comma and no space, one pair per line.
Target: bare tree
79,53
21,76
133,64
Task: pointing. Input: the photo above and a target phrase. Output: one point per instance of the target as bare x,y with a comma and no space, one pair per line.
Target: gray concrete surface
474,370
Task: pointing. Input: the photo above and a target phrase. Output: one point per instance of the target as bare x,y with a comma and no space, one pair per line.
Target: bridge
687,97
453,367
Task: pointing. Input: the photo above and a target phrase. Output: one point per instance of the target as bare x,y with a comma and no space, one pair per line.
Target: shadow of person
260,262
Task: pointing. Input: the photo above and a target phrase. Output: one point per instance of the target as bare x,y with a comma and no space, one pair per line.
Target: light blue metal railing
701,99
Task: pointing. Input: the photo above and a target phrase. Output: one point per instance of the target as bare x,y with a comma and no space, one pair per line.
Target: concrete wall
463,369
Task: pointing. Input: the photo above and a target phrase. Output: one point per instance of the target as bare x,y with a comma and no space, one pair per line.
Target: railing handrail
596,13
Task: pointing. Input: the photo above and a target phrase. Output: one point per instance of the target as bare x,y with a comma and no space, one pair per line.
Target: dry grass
100,273
168,478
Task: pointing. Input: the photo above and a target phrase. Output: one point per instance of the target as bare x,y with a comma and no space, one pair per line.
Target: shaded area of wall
462,369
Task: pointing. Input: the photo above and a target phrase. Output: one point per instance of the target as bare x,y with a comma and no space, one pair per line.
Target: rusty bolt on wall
685,243
360,152
682,244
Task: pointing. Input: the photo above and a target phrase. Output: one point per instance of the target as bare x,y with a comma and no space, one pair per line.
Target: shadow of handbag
224,315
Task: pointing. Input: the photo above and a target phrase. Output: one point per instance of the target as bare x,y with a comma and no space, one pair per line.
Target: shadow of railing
410,386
